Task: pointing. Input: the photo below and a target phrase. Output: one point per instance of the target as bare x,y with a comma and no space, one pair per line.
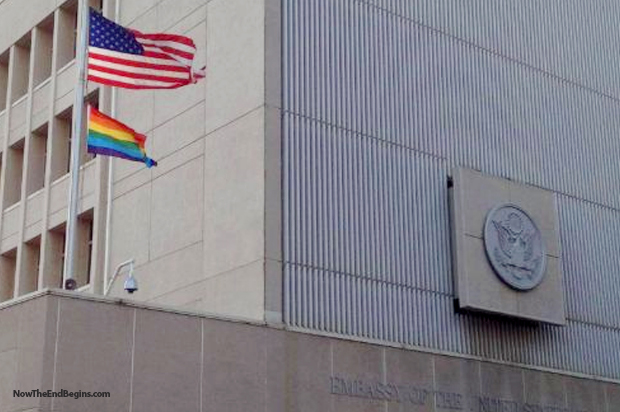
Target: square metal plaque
506,250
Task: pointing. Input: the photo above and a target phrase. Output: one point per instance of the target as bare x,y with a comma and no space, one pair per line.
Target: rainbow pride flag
110,137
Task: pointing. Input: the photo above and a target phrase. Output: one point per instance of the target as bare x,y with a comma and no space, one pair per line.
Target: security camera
131,284
70,284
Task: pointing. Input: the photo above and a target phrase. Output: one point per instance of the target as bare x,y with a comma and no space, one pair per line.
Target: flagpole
110,192
76,137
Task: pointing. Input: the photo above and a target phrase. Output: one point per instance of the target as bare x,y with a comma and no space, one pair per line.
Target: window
67,30
44,39
30,275
7,274
4,78
1,159
84,248
96,4
54,267
21,68
61,145
14,172
67,25
36,160
55,258
93,100
61,150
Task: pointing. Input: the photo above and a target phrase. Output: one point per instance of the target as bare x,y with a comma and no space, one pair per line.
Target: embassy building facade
367,205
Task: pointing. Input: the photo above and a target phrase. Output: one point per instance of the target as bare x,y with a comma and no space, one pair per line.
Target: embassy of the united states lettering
392,392
444,401
487,404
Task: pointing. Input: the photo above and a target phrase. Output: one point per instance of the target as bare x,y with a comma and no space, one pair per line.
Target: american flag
123,57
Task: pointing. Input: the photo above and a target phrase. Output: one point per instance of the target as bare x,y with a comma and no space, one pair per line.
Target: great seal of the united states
514,247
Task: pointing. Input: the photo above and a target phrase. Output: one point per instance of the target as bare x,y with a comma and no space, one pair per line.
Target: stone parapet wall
156,359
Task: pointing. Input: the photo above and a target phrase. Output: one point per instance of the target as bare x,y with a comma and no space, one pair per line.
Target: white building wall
196,224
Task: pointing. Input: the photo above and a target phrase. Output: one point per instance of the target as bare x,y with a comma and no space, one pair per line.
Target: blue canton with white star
106,34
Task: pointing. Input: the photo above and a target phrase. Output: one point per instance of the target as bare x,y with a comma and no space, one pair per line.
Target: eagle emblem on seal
514,247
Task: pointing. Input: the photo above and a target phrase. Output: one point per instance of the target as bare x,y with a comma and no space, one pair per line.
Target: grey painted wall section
382,99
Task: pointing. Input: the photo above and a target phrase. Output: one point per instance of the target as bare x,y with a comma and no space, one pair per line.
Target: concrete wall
198,224
26,351
150,359
203,226
382,100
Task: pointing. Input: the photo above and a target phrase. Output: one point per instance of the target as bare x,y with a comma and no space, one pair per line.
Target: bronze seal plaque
514,247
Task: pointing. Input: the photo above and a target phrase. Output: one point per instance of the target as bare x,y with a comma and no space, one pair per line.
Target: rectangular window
61,150
54,258
36,160
44,39
14,173
21,68
67,28
7,274
84,248
1,160
93,100
61,145
96,4
4,79
30,275
83,253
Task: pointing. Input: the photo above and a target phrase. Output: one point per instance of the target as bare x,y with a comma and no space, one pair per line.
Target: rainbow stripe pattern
110,137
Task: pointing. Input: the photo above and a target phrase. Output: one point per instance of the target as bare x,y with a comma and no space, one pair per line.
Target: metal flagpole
76,137
110,192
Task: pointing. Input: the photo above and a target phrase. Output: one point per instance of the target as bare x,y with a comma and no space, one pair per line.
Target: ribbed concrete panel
360,67
590,237
562,37
366,241
361,206
323,300
381,99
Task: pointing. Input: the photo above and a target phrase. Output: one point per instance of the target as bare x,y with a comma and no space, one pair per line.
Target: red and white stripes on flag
135,60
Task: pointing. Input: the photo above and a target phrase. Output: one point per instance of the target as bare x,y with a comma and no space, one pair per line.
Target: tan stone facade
203,226
154,359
